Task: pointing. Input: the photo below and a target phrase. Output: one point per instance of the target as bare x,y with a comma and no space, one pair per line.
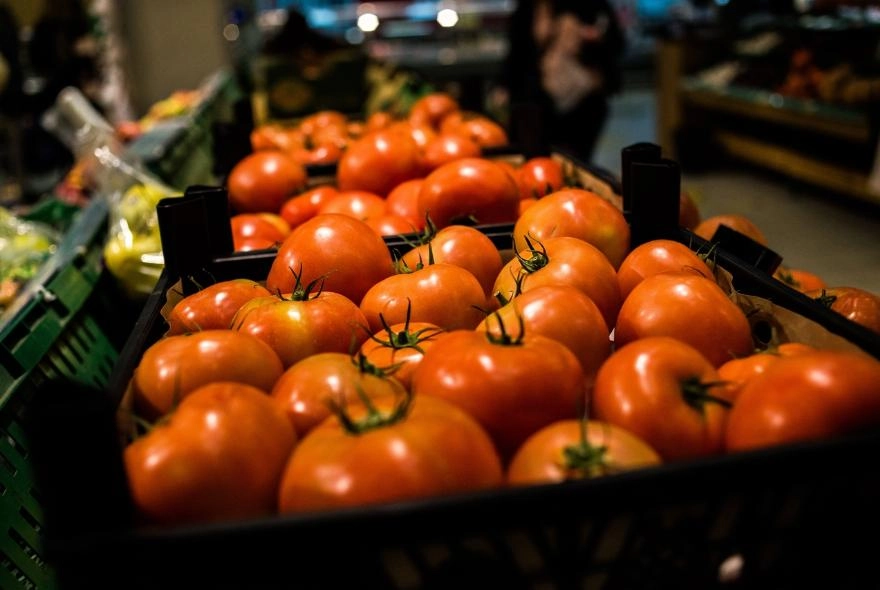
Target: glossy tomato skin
579,214
171,368
570,261
346,252
309,385
264,180
707,227
265,226
445,148
657,256
857,305
401,345
469,189
355,203
432,108
442,294
389,224
540,176
435,450
513,390
379,161
483,131
800,279
403,200
305,205
325,322
806,397
541,458
213,307
735,373
642,388
687,306
200,465
563,313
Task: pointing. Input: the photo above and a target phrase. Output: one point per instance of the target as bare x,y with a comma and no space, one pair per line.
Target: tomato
472,189
663,391
579,214
462,246
212,307
171,368
274,137
442,294
735,373
688,213
571,450
379,161
304,323
806,397
218,457
327,118
445,148
354,203
561,312
654,257
422,134
403,200
513,385
378,120
857,305
322,153
707,228
540,176
432,108
307,386
384,454
401,345
347,252
687,306
251,244
263,181
483,131
563,261
799,279
267,226
388,224
305,205
524,204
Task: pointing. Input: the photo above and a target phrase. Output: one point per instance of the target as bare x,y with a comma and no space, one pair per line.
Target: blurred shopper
10,63
562,67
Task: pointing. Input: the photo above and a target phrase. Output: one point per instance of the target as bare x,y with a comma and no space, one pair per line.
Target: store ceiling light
447,17
368,22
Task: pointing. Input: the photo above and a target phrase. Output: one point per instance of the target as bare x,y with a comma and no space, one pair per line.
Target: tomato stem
505,339
538,258
696,395
825,299
586,459
374,418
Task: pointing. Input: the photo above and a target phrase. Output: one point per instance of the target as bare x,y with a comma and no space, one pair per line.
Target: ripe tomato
563,261
688,212
706,229
442,294
432,108
857,305
807,396
354,203
307,386
483,131
378,120
304,206
213,307
219,456
654,257
665,392
540,176
263,181
388,224
735,373
267,226
303,324
473,189
175,366
445,148
571,450
513,385
385,455
379,161
401,345
687,306
250,244
347,252
561,312
463,246
403,200
322,153
799,279
579,214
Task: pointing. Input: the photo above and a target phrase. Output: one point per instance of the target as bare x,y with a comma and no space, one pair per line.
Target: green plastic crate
52,332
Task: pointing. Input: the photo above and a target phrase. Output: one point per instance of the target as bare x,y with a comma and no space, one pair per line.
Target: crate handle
651,193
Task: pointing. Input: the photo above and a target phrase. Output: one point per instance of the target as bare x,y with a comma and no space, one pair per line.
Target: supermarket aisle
808,227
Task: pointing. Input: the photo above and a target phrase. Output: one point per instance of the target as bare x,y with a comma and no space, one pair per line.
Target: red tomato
799,279
706,229
857,305
251,244
173,367
687,306
268,226
473,189
391,225
274,137
379,161
432,108
513,386
422,134
688,213
806,397
219,456
378,120
483,131
571,450
327,118
563,261
403,200
654,257
387,455
213,307
401,345
304,206
561,312
735,373
442,294
323,153
303,324
579,214
347,252
358,204
540,176
663,391
443,149
263,181
307,386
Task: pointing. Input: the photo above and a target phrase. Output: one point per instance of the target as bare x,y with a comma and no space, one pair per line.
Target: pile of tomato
346,376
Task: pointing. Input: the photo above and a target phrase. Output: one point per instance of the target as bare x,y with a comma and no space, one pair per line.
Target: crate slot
26,547
18,578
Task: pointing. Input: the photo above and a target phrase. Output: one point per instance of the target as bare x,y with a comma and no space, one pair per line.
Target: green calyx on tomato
825,299
404,338
403,268
374,418
538,258
696,394
306,292
503,338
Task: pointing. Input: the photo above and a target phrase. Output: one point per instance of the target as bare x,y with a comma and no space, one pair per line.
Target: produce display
24,247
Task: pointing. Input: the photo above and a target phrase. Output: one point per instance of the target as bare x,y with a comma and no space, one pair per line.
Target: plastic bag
24,247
